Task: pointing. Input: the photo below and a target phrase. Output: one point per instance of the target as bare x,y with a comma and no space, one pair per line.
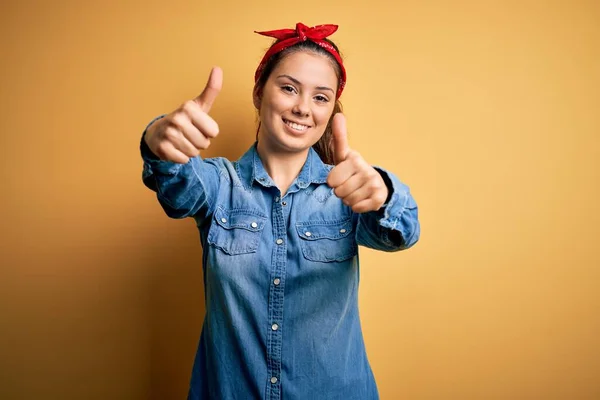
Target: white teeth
296,126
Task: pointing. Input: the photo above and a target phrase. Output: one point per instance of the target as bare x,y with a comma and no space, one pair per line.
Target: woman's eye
322,99
288,88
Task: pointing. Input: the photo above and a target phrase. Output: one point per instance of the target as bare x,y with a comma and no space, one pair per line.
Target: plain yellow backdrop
488,110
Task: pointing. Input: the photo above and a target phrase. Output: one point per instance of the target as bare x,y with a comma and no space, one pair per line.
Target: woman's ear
257,97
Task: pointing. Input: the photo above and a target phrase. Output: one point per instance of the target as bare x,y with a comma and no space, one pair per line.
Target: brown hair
322,147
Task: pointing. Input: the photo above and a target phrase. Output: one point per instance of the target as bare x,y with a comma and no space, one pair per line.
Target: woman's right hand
181,134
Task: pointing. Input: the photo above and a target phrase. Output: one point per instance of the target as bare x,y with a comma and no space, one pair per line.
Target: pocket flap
240,218
315,230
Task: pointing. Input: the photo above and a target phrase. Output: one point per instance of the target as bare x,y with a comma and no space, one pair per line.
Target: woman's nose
301,108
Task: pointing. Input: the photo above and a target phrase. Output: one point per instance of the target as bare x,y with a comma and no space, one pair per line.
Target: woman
280,229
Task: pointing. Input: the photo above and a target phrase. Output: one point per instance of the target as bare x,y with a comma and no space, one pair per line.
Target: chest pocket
236,231
327,241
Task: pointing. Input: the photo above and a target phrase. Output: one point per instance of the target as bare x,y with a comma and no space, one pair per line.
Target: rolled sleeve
395,226
183,190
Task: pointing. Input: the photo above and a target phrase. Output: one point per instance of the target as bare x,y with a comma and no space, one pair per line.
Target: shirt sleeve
183,190
395,226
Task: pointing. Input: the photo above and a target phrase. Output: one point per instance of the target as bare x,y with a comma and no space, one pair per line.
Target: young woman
280,229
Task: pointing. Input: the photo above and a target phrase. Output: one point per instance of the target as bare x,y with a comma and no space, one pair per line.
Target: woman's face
297,102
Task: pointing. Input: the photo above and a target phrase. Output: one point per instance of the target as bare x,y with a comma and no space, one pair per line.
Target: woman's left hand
354,181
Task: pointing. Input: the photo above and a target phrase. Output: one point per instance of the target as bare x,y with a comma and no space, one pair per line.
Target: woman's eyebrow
297,82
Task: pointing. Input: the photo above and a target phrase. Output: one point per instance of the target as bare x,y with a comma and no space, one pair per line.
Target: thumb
340,138
213,87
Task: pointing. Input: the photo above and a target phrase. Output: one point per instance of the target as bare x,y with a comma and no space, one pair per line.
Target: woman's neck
282,167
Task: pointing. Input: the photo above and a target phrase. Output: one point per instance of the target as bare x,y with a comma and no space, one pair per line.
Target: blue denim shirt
281,275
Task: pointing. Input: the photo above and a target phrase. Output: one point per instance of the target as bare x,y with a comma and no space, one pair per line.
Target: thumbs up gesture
181,134
354,181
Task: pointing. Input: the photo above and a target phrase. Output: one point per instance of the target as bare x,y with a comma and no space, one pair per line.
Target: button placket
276,299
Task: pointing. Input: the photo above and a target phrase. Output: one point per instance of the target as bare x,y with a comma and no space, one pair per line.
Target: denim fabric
281,276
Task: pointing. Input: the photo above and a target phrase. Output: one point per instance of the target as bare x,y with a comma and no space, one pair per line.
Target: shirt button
342,231
254,224
274,379
223,220
276,199
274,327
279,241
276,281
308,234
283,203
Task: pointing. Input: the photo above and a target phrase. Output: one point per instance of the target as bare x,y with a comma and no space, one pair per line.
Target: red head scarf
289,37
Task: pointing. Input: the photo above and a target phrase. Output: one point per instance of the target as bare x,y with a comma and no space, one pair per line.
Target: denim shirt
281,275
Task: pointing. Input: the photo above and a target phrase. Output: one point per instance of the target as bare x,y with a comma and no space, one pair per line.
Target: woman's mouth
296,127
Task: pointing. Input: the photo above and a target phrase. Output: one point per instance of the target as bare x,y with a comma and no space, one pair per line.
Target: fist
181,134
354,181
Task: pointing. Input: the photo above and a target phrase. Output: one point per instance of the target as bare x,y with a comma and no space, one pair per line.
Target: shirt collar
250,169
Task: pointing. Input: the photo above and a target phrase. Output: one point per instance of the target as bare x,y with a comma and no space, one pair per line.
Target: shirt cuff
399,200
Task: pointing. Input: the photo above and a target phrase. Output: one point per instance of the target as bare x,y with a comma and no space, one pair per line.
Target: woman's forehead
308,68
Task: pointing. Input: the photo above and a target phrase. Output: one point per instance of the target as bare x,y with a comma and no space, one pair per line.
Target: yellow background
488,110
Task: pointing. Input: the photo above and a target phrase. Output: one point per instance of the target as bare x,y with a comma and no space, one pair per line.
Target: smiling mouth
295,126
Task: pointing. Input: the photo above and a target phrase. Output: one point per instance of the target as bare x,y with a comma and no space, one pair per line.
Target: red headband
289,37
